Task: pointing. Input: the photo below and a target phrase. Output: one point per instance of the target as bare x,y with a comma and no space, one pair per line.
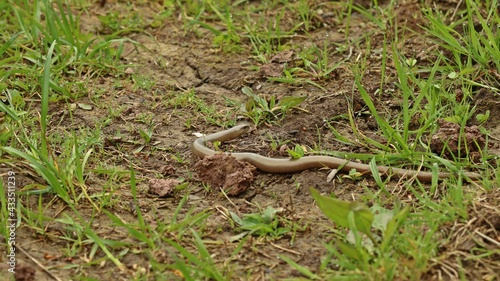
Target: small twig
452,273
266,255
455,11
495,138
487,238
38,263
301,109
223,211
230,201
285,249
55,216
338,93
124,158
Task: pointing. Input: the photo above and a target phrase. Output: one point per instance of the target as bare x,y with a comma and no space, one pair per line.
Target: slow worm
288,165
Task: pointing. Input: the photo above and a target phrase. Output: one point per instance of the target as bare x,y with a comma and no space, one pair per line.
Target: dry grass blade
473,243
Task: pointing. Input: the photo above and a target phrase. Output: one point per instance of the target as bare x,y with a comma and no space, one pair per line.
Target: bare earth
176,61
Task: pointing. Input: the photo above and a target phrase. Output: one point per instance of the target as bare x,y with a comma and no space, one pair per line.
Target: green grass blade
45,97
387,129
44,170
303,270
7,44
96,239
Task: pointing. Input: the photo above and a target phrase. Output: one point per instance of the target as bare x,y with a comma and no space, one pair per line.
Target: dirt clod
447,139
275,67
224,171
25,273
167,170
162,187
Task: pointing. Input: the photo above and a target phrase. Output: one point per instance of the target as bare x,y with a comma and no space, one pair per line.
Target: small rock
162,187
129,71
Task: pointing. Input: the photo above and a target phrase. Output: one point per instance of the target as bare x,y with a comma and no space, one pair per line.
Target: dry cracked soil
184,66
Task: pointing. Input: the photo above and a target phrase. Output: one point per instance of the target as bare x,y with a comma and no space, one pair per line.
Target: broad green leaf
290,101
297,153
303,270
269,213
453,119
338,211
483,117
247,91
84,106
366,242
393,226
349,250
181,186
235,218
381,217
249,106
